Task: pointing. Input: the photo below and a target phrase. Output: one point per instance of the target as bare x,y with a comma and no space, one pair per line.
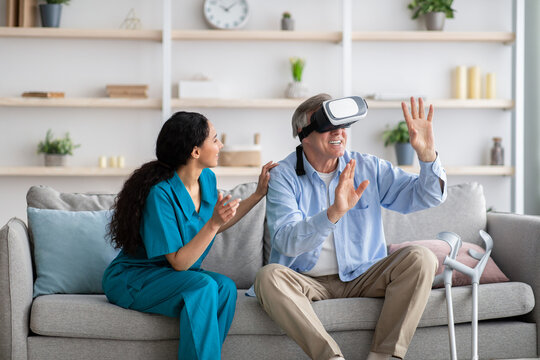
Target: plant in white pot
296,88
51,11
56,150
433,11
399,135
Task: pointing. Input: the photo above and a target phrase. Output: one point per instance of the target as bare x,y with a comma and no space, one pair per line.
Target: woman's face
209,150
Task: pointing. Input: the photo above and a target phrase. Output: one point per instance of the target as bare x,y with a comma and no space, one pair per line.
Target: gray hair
299,118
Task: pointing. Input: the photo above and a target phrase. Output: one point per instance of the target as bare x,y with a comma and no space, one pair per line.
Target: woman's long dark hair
175,142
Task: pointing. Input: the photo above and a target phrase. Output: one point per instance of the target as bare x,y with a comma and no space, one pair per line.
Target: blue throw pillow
71,250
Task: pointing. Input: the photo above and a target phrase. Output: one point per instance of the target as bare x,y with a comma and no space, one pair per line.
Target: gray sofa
87,326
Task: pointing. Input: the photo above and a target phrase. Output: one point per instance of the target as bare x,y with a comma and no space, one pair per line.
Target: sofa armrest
516,251
16,289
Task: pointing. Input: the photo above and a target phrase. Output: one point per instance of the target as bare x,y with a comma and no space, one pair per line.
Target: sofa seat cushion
92,316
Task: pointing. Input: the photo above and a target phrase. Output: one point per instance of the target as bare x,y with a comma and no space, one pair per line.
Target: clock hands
227,8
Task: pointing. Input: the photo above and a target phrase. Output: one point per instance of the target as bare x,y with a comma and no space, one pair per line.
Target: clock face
226,14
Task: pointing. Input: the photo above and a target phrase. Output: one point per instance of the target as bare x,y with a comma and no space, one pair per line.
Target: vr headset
336,114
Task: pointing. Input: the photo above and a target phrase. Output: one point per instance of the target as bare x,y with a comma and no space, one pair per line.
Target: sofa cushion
238,251
441,249
463,212
92,316
71,250
44,197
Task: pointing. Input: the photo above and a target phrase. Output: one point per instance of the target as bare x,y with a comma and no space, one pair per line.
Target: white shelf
260,35
256,35
502,104
235,103
81,102
487,170
61,171
222,171
435,36
62,33
373,104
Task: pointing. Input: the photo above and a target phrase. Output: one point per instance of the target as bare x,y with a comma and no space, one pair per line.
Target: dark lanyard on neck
300,161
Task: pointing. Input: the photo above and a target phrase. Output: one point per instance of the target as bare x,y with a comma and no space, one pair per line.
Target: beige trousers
404,278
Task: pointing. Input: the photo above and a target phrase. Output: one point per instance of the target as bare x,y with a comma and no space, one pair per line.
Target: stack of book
127,91
43,94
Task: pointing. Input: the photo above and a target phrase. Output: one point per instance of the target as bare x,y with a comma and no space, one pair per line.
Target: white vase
296,90
55,160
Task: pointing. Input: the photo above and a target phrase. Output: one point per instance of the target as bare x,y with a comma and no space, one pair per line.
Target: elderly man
324,215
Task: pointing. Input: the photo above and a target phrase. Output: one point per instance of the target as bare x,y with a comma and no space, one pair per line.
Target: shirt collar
312,173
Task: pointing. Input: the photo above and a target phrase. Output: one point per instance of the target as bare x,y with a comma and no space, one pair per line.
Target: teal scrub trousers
204,302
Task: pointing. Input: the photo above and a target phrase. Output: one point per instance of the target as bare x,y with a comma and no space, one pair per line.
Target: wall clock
226,14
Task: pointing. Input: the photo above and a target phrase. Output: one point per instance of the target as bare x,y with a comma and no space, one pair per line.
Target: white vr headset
336,114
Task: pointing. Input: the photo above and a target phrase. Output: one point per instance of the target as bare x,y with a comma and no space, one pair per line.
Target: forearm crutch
455,244
475,273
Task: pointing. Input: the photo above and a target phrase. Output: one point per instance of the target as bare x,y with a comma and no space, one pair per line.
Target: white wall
81,68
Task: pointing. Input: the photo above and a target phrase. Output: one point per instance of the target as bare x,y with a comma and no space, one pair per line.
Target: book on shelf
128,96
12,12
43,94
130,91
27,13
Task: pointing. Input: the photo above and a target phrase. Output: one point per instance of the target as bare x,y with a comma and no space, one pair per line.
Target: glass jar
497,152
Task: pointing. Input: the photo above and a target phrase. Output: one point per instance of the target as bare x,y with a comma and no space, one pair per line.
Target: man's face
327,145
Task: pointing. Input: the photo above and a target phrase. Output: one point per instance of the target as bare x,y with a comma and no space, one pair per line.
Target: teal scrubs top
169,221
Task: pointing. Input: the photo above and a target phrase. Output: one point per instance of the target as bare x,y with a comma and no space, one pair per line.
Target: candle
121,161
113,162
102,162
491,82
460,82
474,82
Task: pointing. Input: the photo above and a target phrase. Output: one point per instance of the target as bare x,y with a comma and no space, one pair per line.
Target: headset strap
299,161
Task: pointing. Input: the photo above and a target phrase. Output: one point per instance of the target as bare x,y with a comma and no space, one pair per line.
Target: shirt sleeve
292,232
159,226
405,193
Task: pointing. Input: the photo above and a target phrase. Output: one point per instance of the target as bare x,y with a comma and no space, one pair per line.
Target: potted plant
399,135
434,11
55,150
287,22
50,12
296,89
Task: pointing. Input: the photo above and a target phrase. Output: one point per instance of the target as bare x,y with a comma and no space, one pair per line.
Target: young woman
166,217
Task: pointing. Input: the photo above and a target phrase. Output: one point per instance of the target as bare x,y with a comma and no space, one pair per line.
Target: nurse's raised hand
224,210
264,177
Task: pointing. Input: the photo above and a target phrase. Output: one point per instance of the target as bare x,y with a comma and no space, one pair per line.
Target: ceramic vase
435,20
404,153
50,14
55,160
296,90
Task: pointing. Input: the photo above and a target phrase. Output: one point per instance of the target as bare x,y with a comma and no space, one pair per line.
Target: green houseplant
296,89
55,150
51,12
399,137
434,11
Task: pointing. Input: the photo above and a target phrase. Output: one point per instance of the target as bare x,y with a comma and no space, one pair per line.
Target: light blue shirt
298,222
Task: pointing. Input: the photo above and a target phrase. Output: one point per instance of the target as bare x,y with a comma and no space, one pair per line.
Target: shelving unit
345,37
65,171
81,102
224,171
99,34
